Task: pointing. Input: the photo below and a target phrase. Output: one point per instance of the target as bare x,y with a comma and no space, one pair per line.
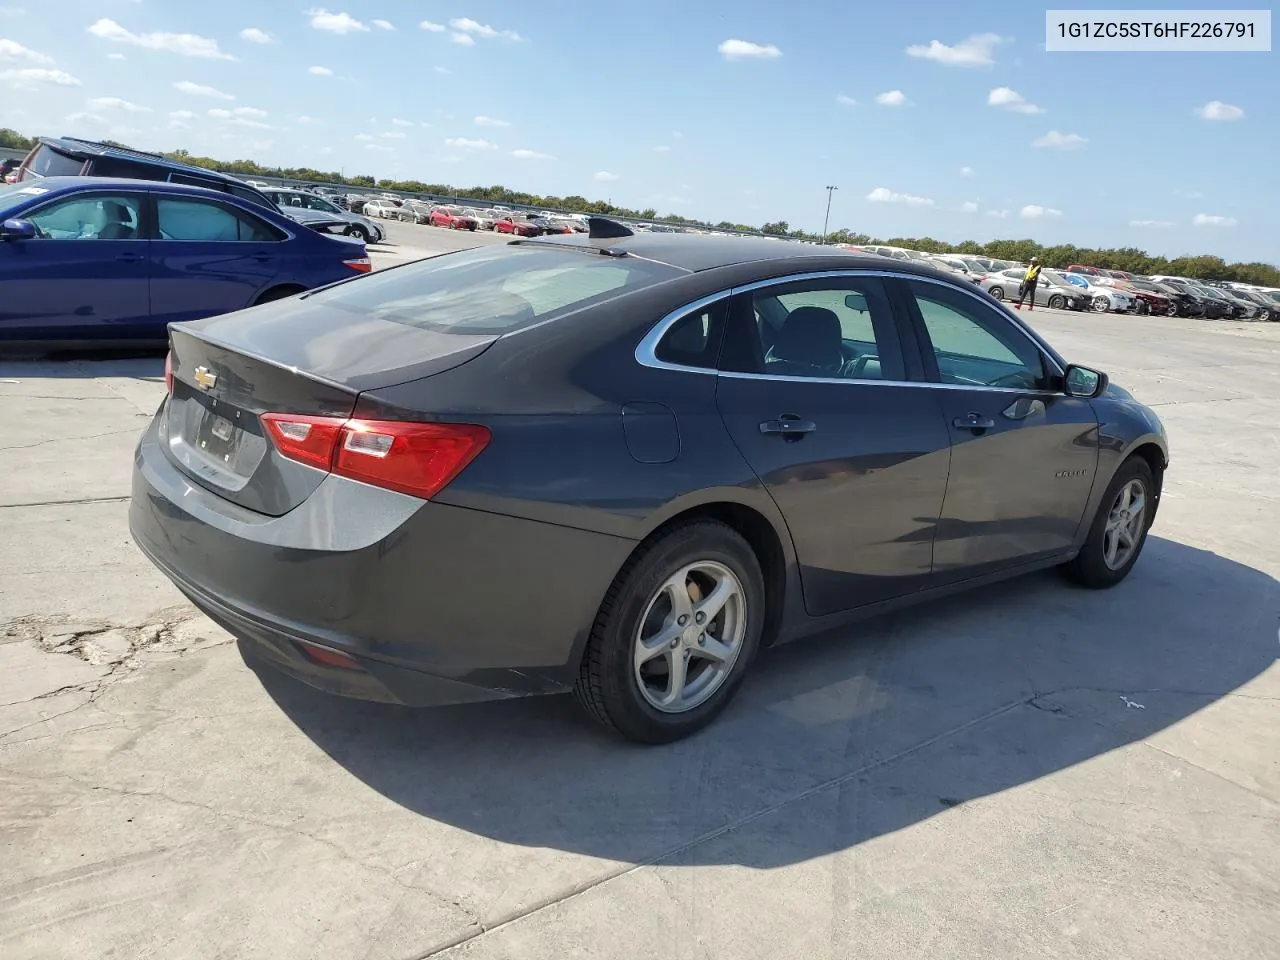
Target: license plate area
215,441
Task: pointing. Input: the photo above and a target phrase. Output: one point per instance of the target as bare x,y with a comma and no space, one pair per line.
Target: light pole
825,219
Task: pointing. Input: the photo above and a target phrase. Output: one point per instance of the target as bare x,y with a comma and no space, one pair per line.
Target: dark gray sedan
621,465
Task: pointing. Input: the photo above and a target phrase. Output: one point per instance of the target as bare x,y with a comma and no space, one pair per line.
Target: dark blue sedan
88,259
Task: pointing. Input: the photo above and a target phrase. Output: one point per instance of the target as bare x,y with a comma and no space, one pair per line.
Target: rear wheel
359,232
1119,529
674,635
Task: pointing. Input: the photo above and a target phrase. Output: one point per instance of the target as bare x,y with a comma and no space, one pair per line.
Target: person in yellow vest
1027,290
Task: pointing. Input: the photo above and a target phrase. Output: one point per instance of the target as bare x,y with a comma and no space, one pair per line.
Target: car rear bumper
432,603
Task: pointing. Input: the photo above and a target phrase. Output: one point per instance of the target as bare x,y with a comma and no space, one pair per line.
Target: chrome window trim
646,350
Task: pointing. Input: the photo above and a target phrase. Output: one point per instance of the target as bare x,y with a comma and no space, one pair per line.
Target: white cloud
116,56
254,35
469,26
383,24
1012,101
604,176
393,135
1189,194
662,148
1034,211
200,90
397,122
1060,141
885,195
1217,110
846,100
968,207
30,78
378,148
339,23
974,51
490,122
182,115
365,138
187,44
115,103
14,52
966,171
250,117
891,98
1161,224
1212,220
462,39
531,155
998,214
444,70
462,143
85,118
427,125
320,71
431,27
304,119
746,50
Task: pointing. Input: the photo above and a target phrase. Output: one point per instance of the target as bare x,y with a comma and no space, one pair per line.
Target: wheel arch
278,291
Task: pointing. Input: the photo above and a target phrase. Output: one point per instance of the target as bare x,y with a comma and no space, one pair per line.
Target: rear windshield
493,290
48,162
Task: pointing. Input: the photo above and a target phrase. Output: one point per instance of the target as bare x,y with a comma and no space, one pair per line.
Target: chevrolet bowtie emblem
204,379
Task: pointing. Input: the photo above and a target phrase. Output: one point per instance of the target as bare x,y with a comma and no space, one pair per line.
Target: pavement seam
731,827
59,503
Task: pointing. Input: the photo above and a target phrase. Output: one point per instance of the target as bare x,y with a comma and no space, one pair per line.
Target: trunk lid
289,356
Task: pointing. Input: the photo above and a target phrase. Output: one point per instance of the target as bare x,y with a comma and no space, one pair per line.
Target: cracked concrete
963,780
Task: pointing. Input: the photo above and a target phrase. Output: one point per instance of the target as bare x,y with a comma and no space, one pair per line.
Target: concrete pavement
1032,770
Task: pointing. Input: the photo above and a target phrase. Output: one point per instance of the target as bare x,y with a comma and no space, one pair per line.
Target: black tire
607,687
1057,302
997,292
1089,568
359,232
276,293
1171,310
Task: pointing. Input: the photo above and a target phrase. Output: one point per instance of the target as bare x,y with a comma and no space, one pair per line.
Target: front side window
203,220
96,217
830,328
972,344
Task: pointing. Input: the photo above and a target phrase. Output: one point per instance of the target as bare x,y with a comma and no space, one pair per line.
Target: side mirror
1084,382
17,230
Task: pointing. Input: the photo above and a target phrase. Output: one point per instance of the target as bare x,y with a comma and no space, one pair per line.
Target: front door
1023,455
811,390
83,276
209,258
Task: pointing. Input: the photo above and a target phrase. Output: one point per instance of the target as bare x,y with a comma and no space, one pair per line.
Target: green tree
778,228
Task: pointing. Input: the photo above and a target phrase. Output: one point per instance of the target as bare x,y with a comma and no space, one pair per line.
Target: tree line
1201,267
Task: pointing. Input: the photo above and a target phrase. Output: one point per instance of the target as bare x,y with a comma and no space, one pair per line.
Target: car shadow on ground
834,740
116,361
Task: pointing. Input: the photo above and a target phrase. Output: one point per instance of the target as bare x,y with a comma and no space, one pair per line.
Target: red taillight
168,372
360,264
419,459
328,657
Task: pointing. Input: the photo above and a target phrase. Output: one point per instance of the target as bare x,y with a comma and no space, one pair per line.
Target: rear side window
202,220
694,339
493,290
48,162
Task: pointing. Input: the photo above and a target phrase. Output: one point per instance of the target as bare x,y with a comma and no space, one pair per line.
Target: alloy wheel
1123,531
690,636
1101,304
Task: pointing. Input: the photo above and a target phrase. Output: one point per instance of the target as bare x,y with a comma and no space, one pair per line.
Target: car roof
62,184
91,148
697,252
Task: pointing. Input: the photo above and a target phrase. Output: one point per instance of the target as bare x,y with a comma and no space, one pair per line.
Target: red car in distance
521,228
453,218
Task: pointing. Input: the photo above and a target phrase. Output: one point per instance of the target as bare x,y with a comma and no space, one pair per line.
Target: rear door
84,276
1023,454
209,257
813,389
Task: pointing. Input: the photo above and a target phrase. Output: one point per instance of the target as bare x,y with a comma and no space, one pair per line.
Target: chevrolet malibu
621,465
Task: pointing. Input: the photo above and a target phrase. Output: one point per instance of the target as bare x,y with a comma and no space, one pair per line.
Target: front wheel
1057,302
1119,529
675,634
1101,304
1171,310
997,292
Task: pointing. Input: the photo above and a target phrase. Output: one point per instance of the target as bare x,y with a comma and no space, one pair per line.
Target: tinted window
973,344
96,217
493,289
203,220
48,162
113,167
694,340
832,328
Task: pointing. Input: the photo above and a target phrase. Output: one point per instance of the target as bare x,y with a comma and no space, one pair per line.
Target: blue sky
741,111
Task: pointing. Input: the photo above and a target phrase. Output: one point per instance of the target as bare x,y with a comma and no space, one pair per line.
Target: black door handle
974,421
789,426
